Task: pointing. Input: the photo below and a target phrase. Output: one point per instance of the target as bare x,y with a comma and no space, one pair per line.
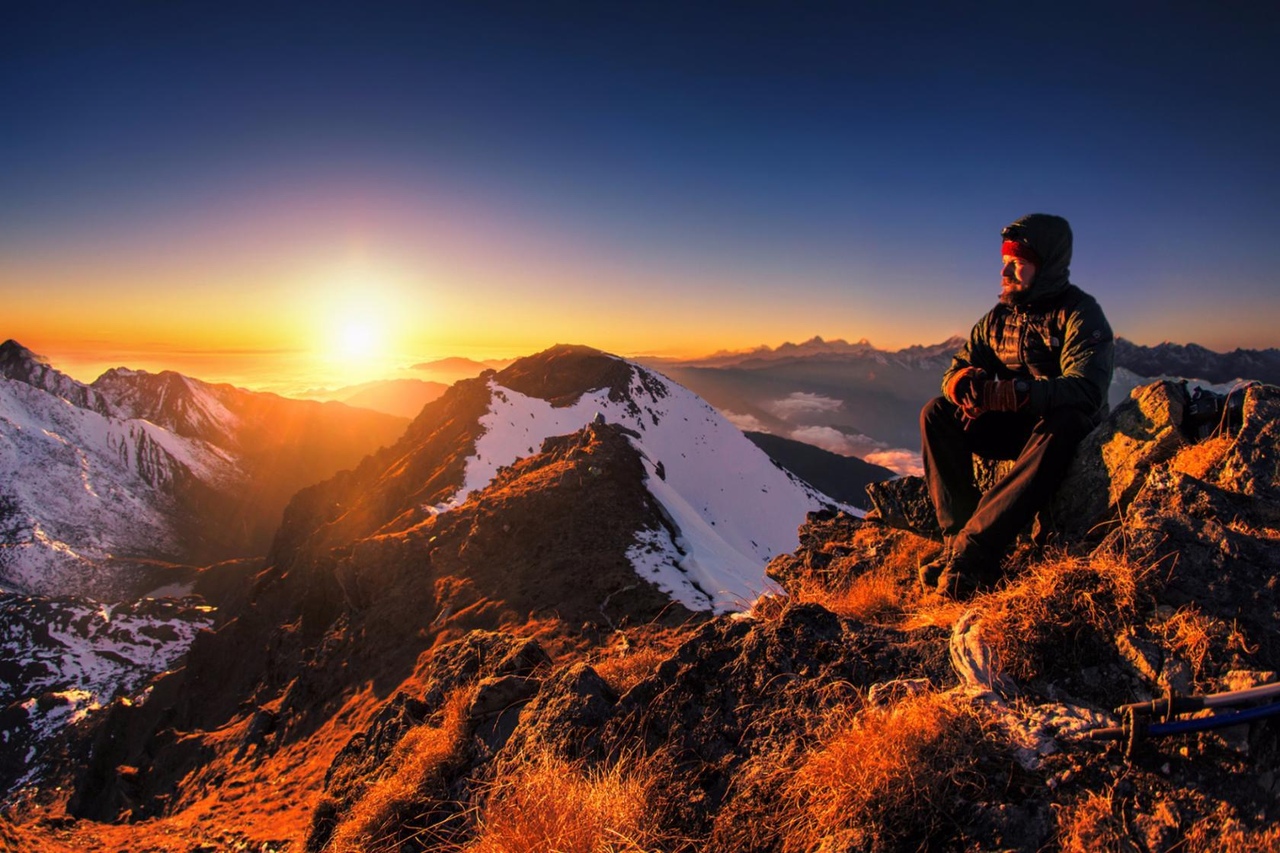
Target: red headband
1020,250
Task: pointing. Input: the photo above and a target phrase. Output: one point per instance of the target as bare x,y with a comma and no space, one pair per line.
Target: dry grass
1190,635
882,779
552,804
1226,835
1098,823
1200,460
882,594
386,809
635,655
878,596
1055,605
1093,825
625,669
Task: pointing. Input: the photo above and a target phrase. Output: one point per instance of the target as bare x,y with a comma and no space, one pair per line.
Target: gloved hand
1004,395
964,389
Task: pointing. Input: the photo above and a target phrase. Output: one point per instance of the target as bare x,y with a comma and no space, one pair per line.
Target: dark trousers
984,525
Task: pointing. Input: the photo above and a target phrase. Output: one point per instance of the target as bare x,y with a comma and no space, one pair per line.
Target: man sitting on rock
1030,383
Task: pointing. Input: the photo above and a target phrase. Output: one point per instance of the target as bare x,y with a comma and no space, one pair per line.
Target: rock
566,717
1141,654
904,503
1159,827
827,551
740,689
1112,462
1199,539
498,704
498,664
1251,466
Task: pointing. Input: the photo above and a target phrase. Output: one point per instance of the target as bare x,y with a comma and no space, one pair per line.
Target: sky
245,191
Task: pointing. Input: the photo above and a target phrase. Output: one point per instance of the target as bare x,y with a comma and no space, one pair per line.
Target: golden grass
1092,826
1190,635
1047,609
1227,835
876,596
384,811
1097,823
625,669
882,595
553,804
1201,459
882,779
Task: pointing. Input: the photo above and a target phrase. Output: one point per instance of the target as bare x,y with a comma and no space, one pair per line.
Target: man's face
1016,278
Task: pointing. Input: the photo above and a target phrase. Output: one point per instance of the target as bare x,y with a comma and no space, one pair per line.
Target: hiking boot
930,572
966,576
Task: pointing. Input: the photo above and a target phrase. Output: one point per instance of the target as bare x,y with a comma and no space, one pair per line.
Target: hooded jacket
1057,336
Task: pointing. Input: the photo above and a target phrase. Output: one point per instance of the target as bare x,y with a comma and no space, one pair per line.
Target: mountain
110,488
851,399
63,658
840,350
452,369
844,478
1192,361
403,398
432,661
856,400
573,494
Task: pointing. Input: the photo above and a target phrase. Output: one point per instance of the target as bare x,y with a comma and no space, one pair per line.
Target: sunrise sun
359,338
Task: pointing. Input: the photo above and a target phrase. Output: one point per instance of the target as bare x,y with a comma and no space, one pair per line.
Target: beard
1013,293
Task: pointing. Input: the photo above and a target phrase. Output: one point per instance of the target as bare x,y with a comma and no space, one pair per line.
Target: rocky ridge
1166,581
963,724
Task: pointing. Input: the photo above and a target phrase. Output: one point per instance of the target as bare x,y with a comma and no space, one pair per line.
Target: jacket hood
1050,237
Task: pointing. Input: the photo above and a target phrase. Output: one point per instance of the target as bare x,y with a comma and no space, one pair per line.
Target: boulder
1113,461
904,503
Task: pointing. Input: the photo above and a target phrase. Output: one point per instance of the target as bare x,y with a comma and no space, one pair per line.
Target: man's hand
965,390
1004,395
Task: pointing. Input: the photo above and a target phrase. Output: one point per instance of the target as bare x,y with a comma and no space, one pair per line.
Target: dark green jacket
1058,338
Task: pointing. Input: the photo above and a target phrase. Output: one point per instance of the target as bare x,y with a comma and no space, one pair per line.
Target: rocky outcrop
734,692
1175,590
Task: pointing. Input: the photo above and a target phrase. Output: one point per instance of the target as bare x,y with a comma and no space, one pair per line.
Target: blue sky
736,174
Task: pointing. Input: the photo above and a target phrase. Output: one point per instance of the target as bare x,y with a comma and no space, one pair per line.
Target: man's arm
976,354
1088,359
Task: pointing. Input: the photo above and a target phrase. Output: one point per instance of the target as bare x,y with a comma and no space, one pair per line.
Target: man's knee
1069,425
938,410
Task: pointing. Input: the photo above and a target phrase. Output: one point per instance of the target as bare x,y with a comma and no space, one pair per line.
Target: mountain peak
11,350
22,365
562,374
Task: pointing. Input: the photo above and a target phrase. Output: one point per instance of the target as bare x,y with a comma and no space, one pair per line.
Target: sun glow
361,315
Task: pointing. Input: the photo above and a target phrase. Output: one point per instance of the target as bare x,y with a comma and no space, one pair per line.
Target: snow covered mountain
62,658
105,488
720,507
573,492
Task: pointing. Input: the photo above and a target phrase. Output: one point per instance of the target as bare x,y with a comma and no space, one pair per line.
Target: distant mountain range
123,485
1192,361
857,400
403,398
456,368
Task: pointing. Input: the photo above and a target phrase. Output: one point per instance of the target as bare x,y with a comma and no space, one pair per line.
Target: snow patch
729,507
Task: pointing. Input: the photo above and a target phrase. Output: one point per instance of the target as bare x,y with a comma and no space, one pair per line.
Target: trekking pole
1138,715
